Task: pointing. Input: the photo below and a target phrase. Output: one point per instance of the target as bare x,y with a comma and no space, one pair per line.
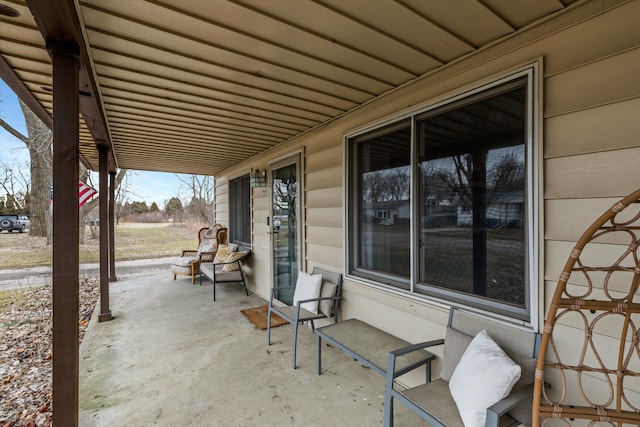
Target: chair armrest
415,347
239,261
302,301
207,256
189,252
226,263
335,297
272,293
394,354
495,411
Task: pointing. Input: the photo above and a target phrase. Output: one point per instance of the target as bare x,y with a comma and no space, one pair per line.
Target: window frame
240,186
533,179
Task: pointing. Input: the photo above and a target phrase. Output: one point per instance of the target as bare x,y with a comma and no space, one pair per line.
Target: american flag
85,193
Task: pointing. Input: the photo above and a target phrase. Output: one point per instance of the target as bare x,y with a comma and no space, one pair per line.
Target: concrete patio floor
173,357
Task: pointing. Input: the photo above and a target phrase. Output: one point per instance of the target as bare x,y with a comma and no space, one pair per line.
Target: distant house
387,212
505,210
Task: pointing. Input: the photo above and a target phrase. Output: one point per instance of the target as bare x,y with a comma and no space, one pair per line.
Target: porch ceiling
199,86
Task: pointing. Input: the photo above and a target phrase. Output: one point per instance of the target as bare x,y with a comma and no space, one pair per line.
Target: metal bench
217,273
370,346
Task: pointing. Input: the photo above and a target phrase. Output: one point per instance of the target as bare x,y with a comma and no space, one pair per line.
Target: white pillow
207,245
484,376
307,287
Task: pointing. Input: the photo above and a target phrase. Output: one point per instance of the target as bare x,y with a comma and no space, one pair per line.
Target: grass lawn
132,241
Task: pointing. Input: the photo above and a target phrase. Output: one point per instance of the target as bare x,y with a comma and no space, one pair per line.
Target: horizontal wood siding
573,217
590,142
602,128
591,148
612,79
606,174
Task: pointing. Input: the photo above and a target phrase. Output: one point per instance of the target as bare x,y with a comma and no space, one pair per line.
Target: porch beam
58,19
20,89
112,230
66,233
103,201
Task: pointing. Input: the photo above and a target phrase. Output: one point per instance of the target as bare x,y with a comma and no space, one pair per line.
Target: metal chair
433,401
295,314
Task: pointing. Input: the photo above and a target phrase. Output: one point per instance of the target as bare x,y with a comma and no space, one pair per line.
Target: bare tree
385,185
373,186
16,187
200,189
38,141
504,173
397,183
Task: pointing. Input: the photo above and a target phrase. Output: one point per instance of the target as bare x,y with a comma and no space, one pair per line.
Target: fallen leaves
26,352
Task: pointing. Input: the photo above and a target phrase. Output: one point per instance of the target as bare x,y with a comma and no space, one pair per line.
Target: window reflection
384,211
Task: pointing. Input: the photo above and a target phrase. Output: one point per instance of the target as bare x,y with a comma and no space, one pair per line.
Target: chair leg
269,325
244,285
388,411
295,341
174,276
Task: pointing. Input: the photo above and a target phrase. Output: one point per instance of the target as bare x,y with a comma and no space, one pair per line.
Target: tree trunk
39,145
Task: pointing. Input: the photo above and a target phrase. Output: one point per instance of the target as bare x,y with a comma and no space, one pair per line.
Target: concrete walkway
173,357
37,276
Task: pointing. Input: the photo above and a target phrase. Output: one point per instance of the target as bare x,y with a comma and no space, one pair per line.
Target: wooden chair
188,263
295,314
596,381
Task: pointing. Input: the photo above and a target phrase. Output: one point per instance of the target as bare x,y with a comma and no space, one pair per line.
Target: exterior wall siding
590,136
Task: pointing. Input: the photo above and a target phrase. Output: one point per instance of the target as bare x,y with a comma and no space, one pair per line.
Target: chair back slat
510,337
333,278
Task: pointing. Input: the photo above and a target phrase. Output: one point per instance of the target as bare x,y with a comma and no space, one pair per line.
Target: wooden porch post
66,252
105,312
112,230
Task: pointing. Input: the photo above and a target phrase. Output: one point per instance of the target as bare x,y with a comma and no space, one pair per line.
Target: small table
370,346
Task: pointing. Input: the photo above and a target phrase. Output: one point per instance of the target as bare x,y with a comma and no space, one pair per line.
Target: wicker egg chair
596,383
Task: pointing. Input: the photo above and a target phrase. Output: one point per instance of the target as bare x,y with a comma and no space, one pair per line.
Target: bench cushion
435,399
184,262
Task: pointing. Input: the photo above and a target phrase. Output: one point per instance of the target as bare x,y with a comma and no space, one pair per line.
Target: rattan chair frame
619,409
221,237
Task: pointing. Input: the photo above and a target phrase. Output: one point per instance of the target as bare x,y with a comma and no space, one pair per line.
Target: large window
240,211
454,186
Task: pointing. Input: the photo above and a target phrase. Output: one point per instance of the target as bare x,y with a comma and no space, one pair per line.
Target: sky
144,186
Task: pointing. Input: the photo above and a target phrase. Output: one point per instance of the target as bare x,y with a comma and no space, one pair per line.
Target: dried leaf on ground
26,353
